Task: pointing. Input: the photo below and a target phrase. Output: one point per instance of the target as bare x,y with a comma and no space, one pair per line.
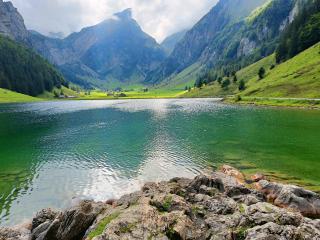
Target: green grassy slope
24,71
7,96
298,77
63,90
185,78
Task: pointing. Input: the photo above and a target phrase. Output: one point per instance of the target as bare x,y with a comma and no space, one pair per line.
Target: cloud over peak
159,18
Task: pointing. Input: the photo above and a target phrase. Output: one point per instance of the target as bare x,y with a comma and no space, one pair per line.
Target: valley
230,44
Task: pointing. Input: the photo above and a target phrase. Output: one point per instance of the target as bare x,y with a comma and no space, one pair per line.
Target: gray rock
291,197
271,231
21,232
262,213
11,22
206,207
246,47
208,181
220,206
45,215
70,225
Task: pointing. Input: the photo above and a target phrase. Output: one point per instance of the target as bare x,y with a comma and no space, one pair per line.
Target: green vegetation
130,94
302,33
56,93
298,77
241,233
167,203
261,73
102,225
7,96
127,228
23,71
185,78
257,12
281,102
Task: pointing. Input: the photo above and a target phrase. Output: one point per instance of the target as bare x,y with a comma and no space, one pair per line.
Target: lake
54,153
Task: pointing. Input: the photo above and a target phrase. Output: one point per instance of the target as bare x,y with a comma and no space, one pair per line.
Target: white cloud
159,18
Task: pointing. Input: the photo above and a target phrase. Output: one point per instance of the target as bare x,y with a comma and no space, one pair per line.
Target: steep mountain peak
125,14
208,37
111,53
11,22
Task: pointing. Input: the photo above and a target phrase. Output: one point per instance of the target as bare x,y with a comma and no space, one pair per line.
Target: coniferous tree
261,73
235,79
242,85
225,84
302,33
24,71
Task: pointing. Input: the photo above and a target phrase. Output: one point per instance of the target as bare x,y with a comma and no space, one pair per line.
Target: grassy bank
7,96
281,102
132,94
292,83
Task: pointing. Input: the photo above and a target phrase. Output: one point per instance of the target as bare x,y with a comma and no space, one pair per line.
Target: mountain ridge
11,22
169,43
218,38
113,51
21,69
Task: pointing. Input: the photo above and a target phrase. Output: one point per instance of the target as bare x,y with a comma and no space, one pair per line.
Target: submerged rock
258,177
215,207
233,172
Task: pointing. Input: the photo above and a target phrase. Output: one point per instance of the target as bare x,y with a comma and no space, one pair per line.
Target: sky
159,18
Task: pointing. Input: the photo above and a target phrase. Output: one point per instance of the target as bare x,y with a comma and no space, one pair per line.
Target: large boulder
271,231
69,225
201,181
291,197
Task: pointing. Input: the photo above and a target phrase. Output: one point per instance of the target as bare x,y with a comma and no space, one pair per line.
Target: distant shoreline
297,103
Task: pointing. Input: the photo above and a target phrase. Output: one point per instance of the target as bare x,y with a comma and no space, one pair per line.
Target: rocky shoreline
221,205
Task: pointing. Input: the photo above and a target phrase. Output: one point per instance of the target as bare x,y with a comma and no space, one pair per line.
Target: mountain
292,72
299,77
21,69
233,34
112,53
302,33
11,22
59,35
24,71
169,43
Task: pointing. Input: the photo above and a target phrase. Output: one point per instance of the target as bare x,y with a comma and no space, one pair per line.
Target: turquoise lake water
54,153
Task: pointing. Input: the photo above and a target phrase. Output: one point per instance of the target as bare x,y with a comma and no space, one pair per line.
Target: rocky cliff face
197,42
116,49
217,206
241,31
11,22
171,41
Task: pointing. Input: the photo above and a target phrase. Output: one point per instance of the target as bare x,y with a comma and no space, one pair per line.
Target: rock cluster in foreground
216,206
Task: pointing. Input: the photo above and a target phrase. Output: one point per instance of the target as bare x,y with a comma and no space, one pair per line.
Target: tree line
302,33
24,71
